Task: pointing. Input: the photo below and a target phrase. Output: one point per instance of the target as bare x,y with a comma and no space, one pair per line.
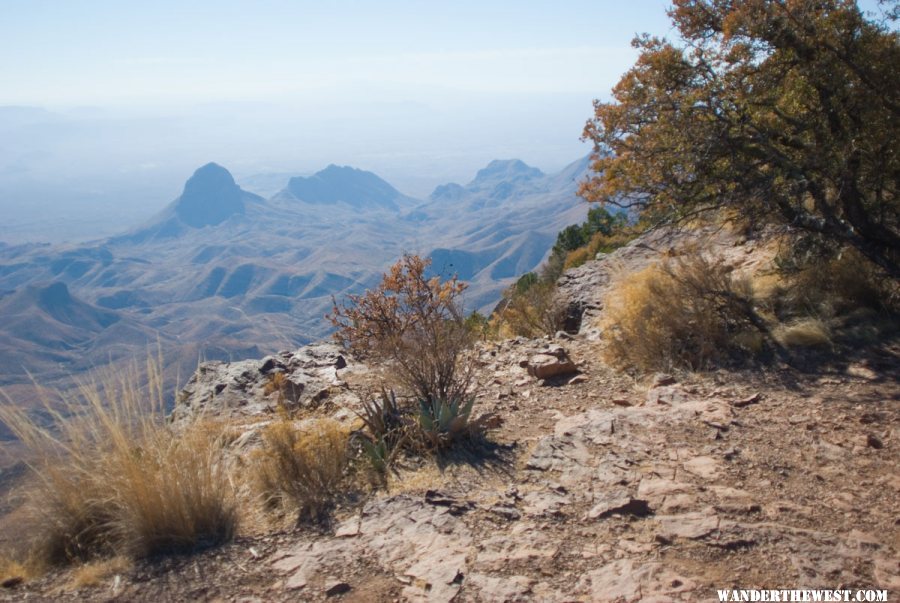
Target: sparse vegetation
113,478
444,423
686,312
601,231
805,333
94,573
414,323
303,468
423,426
530,309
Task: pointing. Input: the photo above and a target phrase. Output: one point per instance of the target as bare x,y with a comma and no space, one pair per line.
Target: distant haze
107,107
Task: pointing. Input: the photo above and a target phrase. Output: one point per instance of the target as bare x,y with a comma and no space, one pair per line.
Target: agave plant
378,454
388,425
442,422
384,418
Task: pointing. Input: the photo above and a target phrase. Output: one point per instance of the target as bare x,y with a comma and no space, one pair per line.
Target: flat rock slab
421,543
706,467
619,505
688,525
627,580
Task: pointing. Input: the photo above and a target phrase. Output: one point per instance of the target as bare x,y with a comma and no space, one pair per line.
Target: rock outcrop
307,377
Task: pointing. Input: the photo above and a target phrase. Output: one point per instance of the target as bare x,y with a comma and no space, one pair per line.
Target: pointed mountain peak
210,197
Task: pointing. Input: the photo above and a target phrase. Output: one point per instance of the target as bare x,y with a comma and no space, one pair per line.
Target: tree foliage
599,219
784,110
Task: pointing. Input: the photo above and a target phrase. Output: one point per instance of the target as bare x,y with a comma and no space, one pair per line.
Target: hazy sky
111,52
123,100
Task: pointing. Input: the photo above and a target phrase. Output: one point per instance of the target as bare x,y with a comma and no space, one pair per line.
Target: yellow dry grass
96,573
112,477
805,333
13,570
302,468
681,313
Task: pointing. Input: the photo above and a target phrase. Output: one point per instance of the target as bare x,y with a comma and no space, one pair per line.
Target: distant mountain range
224,273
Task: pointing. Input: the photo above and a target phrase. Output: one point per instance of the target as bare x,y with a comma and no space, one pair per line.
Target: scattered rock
546,365
666,394
628,580
862,372
500,588
662,379
240,388
619,505
706,467
873,441
688,525
334,588
755,398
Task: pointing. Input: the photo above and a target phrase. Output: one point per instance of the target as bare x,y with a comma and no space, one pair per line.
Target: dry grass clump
686,312
531,311
578,257
303,469
13,572
831,284
95,573
113,478
803,333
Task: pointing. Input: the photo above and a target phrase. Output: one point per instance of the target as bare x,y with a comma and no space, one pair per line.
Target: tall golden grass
112,477
302,469
682,313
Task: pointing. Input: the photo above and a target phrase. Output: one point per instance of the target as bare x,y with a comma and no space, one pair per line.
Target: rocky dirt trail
603,489
599,487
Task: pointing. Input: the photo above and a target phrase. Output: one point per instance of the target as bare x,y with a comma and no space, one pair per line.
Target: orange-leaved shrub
416,324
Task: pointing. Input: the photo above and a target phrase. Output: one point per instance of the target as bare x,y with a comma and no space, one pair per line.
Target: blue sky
103,52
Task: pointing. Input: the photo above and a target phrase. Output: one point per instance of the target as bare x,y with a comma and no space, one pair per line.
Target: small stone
297,581
550,363
747,401
702,466
621,505
506,511
12,582
667,395
873,441
661,379
688,525
332,589
862,372
621,402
